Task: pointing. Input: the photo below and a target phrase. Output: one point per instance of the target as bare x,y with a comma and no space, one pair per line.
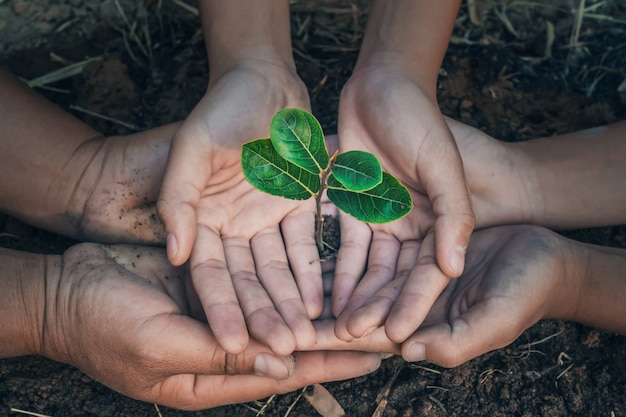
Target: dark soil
331,236
499,76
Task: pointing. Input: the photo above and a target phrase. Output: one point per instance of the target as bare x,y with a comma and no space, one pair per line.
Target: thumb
455,219
482,329
191,348
183,183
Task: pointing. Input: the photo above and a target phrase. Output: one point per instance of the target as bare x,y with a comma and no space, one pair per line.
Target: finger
373,313
381,269
452,235
332,143
191,348
193,301
329,267
185,176
275,275
214,287
264,322
351,260
298,233
455,219
485,327
376,341
311,368
420,291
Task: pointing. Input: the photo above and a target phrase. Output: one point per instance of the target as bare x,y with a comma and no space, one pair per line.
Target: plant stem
319,221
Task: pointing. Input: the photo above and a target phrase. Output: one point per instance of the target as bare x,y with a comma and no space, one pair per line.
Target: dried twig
28,413
107,118
578,23
383,396
60,74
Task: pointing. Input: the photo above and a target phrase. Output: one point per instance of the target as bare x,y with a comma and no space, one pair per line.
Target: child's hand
229,231
514,276
383,110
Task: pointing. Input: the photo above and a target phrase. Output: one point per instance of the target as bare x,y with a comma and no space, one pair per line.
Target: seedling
294,163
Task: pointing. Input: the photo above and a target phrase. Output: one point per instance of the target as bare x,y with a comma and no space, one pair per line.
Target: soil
331,236
503,75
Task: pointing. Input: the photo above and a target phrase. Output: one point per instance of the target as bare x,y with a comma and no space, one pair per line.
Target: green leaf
357,170
298,137
267,171
386,202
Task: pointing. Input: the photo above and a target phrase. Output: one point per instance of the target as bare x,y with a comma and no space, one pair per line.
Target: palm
229,231
510,275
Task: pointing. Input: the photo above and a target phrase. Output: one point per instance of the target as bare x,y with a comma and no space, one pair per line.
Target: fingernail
172,246
386,355
415,352
457,260
272,367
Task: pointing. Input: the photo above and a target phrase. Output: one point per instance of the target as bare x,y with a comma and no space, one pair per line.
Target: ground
504,72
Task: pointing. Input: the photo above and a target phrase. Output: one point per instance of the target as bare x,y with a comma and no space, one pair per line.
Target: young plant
294,163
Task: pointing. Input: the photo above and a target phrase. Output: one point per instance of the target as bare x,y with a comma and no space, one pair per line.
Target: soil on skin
500,77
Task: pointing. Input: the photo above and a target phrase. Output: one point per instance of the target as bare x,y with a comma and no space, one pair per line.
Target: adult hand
229,230
385,111
84,185
120,314
120,186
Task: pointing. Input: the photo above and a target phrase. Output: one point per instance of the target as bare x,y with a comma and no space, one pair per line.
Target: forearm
575,180
411,33
43,154
235,30
598,275
22,301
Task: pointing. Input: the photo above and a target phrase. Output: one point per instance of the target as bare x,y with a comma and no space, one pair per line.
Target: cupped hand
407,263
513,276
228,230
120,314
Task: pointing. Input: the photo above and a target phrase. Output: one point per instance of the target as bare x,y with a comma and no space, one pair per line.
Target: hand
229,230
120,186
120,314
384,111
83,185
568,181
514,276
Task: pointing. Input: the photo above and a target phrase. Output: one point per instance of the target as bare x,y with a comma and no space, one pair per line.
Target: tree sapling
294,163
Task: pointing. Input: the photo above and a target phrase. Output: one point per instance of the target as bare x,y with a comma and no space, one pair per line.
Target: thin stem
319,221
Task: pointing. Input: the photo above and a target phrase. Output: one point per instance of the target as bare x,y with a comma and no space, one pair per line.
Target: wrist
22,292
572,178
568,274
240,30
500,178
30,123
408,34
522,188
599,278
61,209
